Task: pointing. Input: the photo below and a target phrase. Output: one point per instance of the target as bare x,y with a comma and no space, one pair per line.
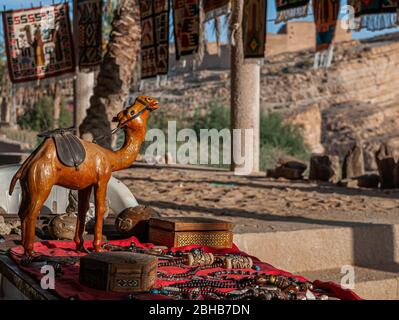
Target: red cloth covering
67,286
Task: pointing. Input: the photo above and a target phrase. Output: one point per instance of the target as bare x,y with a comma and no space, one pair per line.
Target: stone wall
297,36
356,97
309,118
360,72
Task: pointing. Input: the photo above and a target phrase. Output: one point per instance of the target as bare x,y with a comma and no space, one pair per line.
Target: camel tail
14,180
21,170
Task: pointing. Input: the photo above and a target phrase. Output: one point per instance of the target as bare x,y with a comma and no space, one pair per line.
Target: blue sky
271,26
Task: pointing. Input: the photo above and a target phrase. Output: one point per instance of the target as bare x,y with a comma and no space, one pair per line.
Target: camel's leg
22,213
100,198
83,207
23,231
23,225
30,219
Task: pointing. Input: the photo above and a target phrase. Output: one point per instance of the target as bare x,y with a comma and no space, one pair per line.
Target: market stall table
20,282
27,277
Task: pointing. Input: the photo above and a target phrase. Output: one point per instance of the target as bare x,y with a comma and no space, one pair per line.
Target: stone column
57,96
83,83
13,108
245,98
83,87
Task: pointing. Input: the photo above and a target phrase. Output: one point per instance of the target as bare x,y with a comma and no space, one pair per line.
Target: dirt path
258,204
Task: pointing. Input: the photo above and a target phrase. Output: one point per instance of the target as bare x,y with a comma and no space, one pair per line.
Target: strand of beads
217,274
206,283
192,294
173,263
232,283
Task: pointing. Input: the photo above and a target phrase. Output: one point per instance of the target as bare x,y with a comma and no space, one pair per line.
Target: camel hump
69,148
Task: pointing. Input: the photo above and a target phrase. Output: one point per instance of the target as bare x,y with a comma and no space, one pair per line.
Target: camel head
136,114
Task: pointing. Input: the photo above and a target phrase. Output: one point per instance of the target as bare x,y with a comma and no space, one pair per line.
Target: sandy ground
257,204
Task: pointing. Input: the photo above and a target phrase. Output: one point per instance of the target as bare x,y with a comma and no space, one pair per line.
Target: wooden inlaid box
118,271
184,231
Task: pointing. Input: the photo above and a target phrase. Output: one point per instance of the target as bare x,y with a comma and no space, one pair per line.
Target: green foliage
214,117
158,120
277,138
274,133
217,117
39,117
66,117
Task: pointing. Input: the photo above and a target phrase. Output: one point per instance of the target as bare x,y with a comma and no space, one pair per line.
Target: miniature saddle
70,150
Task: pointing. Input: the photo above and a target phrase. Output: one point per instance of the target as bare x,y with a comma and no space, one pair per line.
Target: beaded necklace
231,283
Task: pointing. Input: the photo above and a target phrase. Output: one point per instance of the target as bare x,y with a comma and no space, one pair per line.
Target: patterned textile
215,8
326,15
155,37
254,28
375,14
38,42
187,26
89,16
290,9
68,285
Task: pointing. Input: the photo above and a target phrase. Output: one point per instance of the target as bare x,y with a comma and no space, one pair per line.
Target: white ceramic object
119,196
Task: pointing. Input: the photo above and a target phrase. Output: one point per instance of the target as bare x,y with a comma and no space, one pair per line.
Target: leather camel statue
44,168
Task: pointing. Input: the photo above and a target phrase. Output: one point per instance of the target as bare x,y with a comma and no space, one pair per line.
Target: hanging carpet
215,8
375,15
155,37
89,16
290,9
186,15
325,14
254,28
38,42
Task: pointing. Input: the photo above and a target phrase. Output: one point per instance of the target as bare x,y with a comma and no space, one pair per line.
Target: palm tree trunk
115,75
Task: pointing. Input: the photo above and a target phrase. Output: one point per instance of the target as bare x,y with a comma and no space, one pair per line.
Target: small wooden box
118,271
185,231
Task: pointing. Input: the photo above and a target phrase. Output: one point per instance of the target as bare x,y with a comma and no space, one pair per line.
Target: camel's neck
125,156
